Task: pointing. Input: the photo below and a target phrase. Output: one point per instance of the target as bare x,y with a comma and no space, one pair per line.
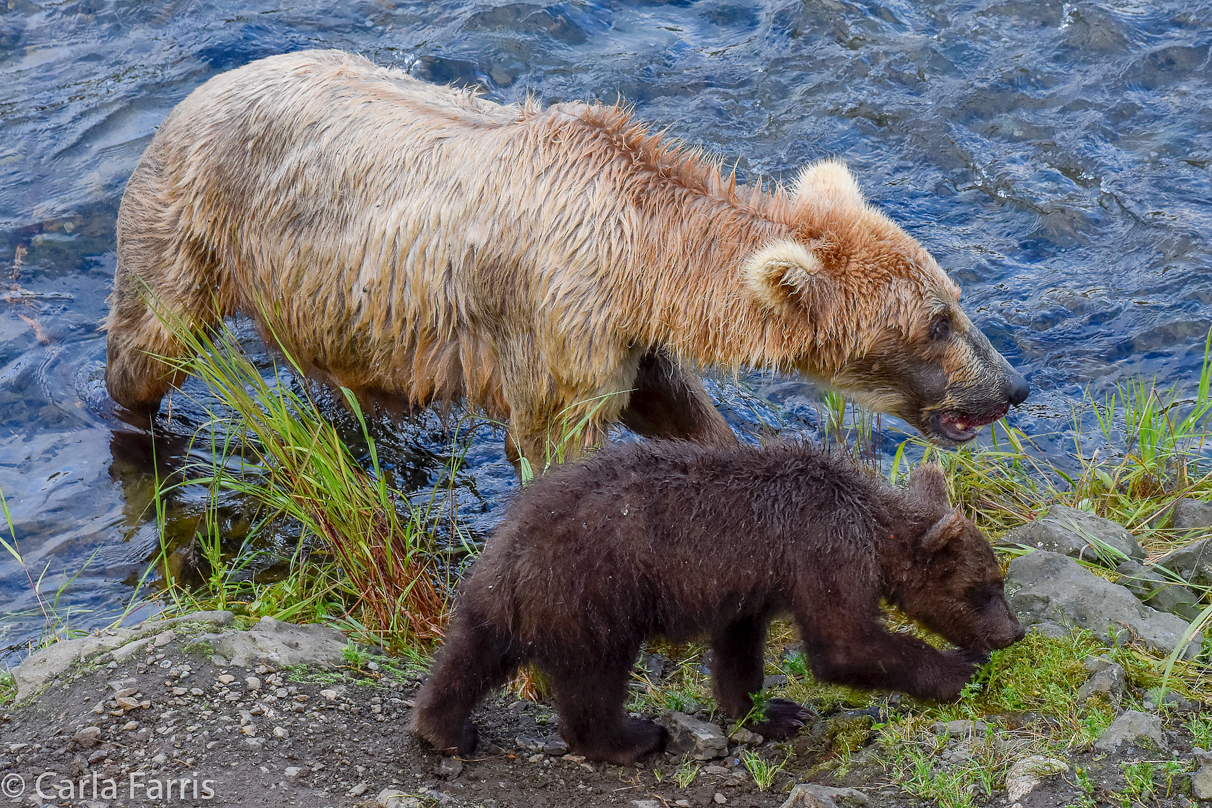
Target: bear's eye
940,327
981,595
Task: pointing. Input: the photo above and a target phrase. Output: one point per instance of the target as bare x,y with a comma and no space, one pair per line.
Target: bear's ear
928,485
785,273
828,182
940,534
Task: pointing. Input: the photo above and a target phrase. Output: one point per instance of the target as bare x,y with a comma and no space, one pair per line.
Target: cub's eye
981,595
940,327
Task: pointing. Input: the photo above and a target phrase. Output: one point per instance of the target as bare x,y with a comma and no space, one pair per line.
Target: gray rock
448,768
529,743
1075,533
41,667
961,728
653,666
1134,729
280,643
88,737
1159,591
394,798
746,736
1192,563
688,735
555,746
1109,680
1026,774
1047,587
1191,514
810,795
1201,783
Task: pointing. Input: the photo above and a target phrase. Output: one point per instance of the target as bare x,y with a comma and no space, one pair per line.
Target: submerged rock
1048,588
1077,534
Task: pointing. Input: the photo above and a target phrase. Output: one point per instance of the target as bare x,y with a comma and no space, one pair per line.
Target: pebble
279,732
164,638
160,759
127,703
555,746
448,767
536,758
87,736
719,799
226,679
125,693
293,772
130,726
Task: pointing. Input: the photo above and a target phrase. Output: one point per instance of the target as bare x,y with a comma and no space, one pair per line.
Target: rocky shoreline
198,711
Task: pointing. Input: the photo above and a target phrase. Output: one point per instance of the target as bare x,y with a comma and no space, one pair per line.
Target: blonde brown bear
417,243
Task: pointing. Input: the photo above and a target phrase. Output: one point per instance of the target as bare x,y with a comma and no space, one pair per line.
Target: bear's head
945,575
868,309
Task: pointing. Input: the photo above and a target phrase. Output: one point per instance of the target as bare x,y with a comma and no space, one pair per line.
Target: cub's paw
976,656
635,739
957,670
784,718
449,740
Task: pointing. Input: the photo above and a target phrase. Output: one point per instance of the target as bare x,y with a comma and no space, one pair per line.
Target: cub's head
946,576
864,307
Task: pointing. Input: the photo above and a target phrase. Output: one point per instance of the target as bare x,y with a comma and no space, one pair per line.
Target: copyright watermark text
135,786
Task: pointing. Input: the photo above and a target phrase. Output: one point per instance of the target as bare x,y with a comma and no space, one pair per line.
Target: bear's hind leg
737,671
669,402
476,659
592,719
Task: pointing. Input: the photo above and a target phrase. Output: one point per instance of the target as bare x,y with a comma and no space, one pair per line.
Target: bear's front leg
879,659
737,672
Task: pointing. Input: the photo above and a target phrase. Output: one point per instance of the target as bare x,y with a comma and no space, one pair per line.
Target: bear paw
959,667
784,718
447,740
635,738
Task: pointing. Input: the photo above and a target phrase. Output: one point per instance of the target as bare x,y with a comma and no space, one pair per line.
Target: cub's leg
737,672
477,658
590,700
161,266
668,402
877,658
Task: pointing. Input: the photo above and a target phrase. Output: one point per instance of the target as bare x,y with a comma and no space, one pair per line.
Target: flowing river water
1054,156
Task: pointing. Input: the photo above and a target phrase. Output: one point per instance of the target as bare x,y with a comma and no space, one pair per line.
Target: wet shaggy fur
643,540
416,243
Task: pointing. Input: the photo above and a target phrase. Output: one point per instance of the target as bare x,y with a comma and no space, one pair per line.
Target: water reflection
1054,156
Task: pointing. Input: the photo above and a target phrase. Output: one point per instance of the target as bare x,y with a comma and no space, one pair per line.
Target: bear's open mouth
961,427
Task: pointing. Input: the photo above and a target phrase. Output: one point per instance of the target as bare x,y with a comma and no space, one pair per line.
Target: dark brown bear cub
682,540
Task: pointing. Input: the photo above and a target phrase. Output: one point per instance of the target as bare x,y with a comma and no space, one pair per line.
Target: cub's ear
785,273
928,485
828,182
942,532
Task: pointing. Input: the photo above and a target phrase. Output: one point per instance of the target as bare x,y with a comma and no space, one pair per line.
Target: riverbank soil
173,722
